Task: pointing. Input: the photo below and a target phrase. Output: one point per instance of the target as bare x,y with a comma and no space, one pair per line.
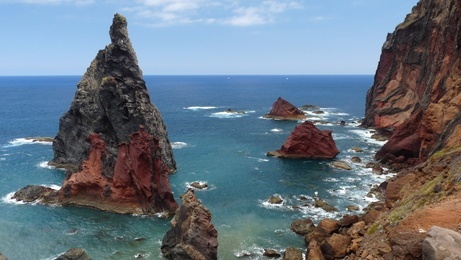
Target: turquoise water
225,150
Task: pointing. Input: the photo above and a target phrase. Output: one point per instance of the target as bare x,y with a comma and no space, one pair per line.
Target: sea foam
200,107
178,145
25,141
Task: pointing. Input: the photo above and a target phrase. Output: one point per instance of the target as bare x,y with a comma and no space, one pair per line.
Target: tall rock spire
111,100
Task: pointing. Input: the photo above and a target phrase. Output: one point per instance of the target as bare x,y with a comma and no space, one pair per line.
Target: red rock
192,235
416,86
284,110
139,183
307,142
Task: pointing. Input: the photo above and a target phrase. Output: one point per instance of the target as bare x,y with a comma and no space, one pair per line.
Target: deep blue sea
225,150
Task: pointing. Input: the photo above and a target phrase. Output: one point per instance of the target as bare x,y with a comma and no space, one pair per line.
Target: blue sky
188,37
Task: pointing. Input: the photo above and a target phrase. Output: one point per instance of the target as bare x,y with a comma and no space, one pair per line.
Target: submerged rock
307,142
192,235
74,254
284,110
111,100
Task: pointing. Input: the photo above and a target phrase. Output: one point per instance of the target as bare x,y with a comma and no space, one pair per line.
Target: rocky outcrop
416,91
111,100
74,254
284,110
112,139
192,235
307,142
139,183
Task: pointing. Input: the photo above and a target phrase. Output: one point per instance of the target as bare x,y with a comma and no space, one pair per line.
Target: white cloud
230,12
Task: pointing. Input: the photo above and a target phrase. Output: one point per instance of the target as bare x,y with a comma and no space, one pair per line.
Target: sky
201,37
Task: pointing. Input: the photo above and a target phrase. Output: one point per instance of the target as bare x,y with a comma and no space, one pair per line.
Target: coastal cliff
416,91
112,140
416,98
111,100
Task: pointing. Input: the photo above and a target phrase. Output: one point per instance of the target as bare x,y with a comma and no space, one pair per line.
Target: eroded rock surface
111,100
307,142
192,235
284,110
416,88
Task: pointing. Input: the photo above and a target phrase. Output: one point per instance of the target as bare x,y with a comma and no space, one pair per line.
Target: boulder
341,165
74,254
319,203
192,235
275,199
302,226
112,100
335,246
307,142
271,253
284,110
314,252
329,225
441,243
292,253
199,185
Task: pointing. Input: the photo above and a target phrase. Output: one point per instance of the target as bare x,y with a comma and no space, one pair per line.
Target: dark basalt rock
74,254
111,100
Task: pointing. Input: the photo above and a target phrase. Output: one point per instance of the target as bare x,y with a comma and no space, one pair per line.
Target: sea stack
284,110
307,142
112,139
416,92
112,101
192,236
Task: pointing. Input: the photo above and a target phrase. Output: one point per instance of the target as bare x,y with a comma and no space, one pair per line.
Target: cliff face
417,86
111,100
139,184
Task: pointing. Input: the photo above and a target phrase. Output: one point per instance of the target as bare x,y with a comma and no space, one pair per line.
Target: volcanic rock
302,226
74,254
292,253
307,142
192,235
271,253
284,110
111,100
416,87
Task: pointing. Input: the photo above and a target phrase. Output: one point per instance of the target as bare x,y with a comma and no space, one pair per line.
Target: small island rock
284,110
307,142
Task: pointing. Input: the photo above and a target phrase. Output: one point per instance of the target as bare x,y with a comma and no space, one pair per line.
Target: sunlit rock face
416,91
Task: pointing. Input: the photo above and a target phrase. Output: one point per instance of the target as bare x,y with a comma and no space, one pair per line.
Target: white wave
258,159
45,165
331,179
178,145
200,107
365,135
24,141
276,130
317,214
8,199
2,158
226,114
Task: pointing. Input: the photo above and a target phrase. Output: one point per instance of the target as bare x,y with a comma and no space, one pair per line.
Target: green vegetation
373,229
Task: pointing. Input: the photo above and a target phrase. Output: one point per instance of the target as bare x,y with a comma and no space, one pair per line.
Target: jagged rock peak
307,142
111,100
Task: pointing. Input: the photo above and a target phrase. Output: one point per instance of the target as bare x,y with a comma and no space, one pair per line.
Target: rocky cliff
416,97
284,110
192,236
417,86
111,100
112,139
307,142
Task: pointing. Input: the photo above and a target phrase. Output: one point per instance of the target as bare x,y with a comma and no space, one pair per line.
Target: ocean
225,150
